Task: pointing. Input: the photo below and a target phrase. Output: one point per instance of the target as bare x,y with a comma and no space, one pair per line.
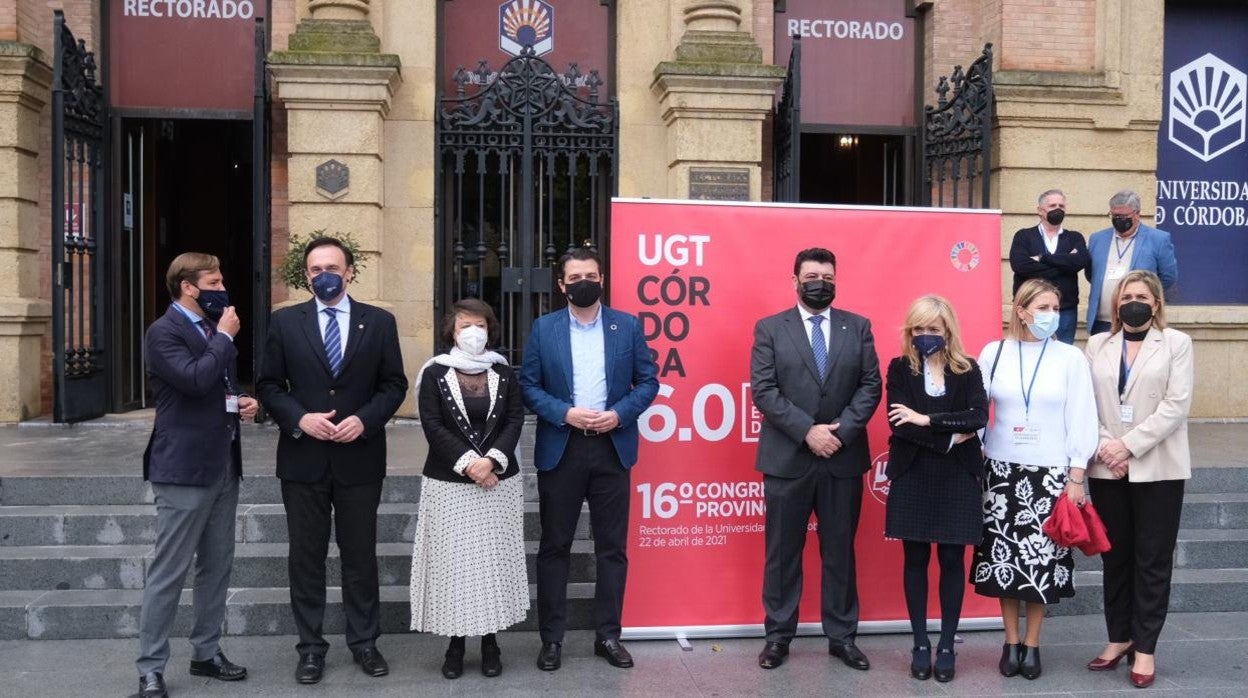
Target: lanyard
1035,372
1126,371
1119,249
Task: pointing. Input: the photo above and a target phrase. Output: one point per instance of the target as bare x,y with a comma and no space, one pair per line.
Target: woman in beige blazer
1142,377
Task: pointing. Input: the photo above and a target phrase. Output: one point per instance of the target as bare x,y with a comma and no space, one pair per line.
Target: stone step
112,613
131,489
1216,510
1191,591
259,565
132,524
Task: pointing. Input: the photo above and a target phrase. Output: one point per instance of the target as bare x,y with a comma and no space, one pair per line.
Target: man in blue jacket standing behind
1127,246
194,463
588,375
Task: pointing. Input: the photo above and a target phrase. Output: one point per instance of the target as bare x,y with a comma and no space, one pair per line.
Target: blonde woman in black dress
936,403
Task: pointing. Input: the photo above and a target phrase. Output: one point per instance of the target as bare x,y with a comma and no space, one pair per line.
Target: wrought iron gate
957,138
527,167
79,114
787,139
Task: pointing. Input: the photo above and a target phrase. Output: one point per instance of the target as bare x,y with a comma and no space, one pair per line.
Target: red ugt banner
699,275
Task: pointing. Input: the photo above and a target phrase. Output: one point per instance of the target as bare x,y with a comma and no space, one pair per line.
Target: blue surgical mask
1043,324
927,344
327,285
213,303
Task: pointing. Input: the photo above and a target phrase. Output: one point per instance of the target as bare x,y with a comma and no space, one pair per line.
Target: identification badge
1026,435
1116,272
231,404
1127,412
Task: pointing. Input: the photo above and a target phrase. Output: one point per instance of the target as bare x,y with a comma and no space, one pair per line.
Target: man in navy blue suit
588,375
194,463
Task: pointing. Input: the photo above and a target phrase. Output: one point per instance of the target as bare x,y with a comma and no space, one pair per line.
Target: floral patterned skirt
1016,560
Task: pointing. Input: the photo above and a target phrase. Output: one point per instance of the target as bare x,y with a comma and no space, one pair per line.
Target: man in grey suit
194,463
816,379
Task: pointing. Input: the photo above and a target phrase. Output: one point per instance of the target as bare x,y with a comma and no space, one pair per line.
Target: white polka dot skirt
468,573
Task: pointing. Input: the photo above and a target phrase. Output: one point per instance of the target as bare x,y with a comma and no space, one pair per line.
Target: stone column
336,87
25,86
713,99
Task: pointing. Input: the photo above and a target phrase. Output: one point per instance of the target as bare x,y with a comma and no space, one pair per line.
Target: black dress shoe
548,658
773,655
1011,656
1029,666
921,663
491,660
310,668
453,667
219,668
946,665
152,685
615,653
371,662
851,655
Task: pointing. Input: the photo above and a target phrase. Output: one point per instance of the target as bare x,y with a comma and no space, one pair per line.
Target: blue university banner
1202,153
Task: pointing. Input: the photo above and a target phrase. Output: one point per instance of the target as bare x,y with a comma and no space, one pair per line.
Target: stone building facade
1078,107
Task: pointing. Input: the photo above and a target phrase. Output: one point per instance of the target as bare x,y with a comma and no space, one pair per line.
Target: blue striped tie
818,344
333,341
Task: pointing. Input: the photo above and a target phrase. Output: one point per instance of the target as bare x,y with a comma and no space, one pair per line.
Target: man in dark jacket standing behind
332,377
194,463
1050,252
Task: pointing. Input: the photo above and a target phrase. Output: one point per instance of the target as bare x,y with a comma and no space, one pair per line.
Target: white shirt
1115,268
1063,406
1050,243
343,316
825,325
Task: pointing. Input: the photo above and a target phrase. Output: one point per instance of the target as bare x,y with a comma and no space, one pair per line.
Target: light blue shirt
343,316
195,319
589,363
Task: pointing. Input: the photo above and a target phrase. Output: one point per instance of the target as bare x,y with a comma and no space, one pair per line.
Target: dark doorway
853,168
185,185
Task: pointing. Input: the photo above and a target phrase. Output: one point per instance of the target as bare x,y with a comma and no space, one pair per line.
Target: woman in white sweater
1037,448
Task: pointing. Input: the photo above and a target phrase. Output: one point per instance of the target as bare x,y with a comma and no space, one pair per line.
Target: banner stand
682,635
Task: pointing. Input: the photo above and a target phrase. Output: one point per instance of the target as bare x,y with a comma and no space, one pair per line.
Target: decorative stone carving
333,179
338,9
713,15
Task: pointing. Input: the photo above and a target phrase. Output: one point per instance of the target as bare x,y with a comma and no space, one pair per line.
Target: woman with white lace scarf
468,568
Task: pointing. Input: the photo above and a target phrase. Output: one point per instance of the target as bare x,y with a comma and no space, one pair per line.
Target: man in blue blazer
194,463
588,375
1127,246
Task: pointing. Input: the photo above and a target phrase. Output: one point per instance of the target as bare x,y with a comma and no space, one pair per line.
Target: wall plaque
333,179
719,183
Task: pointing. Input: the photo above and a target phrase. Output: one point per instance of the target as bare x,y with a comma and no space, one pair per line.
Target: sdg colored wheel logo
964,256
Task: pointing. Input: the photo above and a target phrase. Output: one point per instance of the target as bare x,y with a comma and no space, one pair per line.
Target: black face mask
583,293
1055,216
1122,224
1135,313
817,294
213,303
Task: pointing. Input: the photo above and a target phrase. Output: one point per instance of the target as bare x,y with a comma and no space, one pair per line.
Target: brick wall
1051,35
8,20
284,17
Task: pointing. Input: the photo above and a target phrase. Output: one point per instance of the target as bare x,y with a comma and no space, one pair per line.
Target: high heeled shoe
1143,680
1099,664
1029,664
1011,657
921,663
946,664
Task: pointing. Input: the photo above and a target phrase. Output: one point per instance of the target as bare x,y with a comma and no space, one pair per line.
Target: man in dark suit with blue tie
193,462
588,375
332,377
816,379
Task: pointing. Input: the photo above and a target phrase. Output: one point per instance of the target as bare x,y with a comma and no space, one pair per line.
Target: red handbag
1080,527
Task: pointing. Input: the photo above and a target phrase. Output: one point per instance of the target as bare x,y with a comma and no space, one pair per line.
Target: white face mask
472,339
1043,324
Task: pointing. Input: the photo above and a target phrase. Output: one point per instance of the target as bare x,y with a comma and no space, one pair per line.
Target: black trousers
310,507
1142,520
590,470
836,503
